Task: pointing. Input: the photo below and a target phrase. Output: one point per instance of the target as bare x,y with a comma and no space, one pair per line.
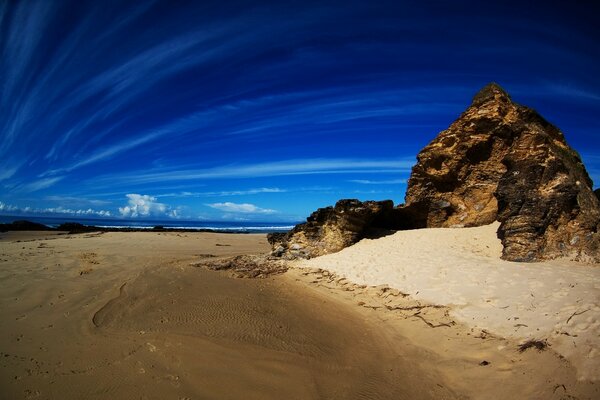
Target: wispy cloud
244,208
77,200
571,90
224,193
39,184
383,182
7,173
278,168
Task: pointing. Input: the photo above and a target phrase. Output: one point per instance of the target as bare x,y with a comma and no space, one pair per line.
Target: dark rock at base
331,229
74,227
24,226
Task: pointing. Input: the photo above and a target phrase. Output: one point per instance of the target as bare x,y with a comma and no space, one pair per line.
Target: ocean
220,226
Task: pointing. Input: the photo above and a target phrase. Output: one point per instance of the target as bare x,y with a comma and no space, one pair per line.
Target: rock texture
331,229
503,161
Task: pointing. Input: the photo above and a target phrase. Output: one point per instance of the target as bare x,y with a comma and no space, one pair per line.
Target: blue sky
265,111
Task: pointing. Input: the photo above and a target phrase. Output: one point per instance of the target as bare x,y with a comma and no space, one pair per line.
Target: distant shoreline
75,227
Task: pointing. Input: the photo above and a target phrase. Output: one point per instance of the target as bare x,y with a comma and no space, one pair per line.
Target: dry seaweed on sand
540,345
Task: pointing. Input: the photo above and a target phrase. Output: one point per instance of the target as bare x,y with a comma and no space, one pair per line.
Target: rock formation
24,226
330,229
503,161
497,161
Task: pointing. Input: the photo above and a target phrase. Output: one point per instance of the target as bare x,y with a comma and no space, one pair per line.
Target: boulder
331,229
454,181
503,161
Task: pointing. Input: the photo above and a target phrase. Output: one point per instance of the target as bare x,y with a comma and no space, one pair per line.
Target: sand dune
557,301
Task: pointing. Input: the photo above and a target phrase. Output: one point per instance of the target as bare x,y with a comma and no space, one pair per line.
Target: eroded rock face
546,206
456,175
331,229
503,161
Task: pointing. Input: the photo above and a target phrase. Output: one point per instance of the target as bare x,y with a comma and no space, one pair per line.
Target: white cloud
243,208
7,207
54,210
62,210
142,206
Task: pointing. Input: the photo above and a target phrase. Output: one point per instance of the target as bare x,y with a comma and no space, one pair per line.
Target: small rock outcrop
503,161
246,266
24,225
331,229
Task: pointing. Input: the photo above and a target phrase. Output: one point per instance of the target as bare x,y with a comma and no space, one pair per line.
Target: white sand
558,300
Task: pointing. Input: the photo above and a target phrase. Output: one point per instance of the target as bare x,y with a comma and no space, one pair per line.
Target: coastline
84,226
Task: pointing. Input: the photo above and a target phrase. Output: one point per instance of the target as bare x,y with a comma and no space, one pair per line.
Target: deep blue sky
265,111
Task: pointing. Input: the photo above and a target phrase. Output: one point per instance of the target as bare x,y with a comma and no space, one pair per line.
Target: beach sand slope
555,301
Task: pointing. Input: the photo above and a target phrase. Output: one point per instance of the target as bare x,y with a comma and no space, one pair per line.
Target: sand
557,301
130,315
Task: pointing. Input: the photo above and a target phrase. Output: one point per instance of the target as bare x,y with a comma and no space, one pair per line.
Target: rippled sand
126,315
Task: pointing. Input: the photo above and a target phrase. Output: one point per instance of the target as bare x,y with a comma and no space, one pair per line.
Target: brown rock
503,161
456,175
331,229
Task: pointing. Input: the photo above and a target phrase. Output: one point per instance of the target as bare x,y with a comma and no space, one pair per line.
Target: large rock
503,161
331,229
497,161
457,174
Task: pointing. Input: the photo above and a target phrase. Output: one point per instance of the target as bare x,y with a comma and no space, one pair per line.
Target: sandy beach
130,315
126,315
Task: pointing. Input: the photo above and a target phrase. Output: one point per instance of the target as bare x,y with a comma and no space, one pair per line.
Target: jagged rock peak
490,92
503,161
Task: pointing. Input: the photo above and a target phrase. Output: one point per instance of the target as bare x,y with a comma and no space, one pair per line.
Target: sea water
220,226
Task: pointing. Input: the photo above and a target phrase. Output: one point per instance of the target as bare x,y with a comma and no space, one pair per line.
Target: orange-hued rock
503,161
